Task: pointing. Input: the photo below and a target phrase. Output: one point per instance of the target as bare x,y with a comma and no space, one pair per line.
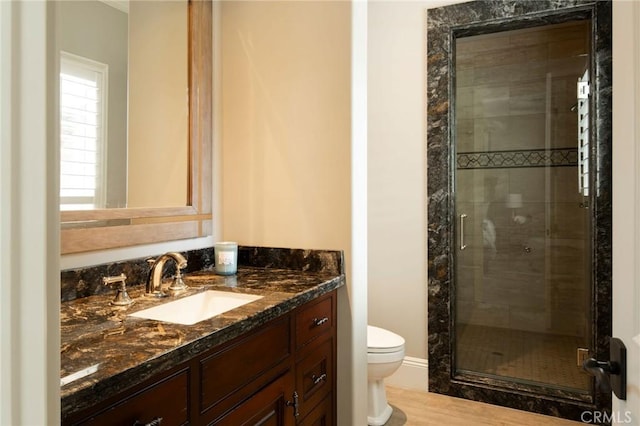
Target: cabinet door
271,406
165,402
322,415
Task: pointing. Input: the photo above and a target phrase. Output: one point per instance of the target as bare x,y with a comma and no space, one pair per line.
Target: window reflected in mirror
82,132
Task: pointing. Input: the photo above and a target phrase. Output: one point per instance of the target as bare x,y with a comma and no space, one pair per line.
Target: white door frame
626,200
29,228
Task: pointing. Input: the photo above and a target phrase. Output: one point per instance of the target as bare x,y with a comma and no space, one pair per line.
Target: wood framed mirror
105,228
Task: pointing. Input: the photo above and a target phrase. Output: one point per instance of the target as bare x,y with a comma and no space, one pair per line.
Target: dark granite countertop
126,350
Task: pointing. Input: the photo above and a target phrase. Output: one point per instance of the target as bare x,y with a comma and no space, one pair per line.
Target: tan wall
286,144
158,108
286,123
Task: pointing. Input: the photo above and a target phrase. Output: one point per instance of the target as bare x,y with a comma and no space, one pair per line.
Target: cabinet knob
319,321
318,379
155,422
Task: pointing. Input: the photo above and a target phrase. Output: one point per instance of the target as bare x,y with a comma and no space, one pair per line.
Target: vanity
269,361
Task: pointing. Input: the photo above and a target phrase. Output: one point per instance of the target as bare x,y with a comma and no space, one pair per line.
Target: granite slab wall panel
87,281
298,259
83,282
444,24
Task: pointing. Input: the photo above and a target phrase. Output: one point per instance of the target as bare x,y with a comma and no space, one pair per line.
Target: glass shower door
523,280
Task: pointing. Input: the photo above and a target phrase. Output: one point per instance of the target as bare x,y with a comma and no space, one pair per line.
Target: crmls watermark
599,417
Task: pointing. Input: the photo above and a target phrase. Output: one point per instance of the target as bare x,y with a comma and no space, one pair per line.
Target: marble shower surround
483,17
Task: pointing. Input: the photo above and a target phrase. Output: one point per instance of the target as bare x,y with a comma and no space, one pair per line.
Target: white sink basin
196,308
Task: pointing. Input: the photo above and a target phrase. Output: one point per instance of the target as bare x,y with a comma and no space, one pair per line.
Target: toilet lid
380,340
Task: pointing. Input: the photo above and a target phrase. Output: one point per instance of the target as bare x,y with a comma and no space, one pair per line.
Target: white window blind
83,100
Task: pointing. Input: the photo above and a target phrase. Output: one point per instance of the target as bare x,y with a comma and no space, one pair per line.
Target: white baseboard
412,374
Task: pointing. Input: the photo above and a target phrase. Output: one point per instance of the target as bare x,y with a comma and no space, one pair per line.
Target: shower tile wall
534,279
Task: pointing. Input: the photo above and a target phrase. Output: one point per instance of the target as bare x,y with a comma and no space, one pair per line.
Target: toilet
385,353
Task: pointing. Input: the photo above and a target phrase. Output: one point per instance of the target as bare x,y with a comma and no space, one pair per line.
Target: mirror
123,104
160,188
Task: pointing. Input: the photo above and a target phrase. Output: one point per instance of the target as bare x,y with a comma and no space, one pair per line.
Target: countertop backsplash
83,282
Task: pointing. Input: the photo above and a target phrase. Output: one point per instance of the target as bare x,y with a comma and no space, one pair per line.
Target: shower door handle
600,370
462,244
610,375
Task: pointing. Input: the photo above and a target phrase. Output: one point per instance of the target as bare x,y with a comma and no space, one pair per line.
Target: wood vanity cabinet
282,373
315,359
164,397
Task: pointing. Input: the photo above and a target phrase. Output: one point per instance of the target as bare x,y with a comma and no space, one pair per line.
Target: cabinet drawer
166,399
236,370
266,407
314,320
314,376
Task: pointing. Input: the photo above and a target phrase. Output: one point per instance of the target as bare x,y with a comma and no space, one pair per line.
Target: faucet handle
114,279
178,286
121,298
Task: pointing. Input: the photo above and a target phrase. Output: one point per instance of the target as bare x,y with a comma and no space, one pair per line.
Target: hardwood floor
415,408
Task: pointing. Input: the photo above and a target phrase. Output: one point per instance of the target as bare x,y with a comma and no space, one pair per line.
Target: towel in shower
489,236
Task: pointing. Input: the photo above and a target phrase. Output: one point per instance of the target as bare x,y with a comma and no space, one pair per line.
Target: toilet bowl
385,353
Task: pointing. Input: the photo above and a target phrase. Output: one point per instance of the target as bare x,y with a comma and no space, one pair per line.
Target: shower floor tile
522,355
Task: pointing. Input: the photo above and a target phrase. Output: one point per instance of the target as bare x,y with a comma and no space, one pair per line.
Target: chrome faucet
154,280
